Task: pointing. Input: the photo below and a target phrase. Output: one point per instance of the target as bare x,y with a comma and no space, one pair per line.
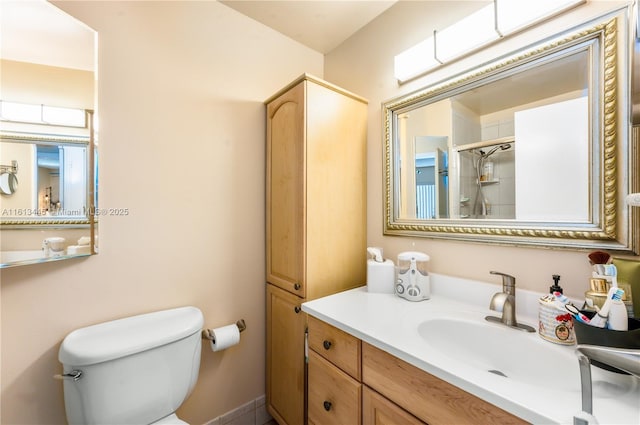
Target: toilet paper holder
208,334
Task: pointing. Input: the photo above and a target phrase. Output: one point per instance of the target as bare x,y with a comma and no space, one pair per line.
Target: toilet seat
170,420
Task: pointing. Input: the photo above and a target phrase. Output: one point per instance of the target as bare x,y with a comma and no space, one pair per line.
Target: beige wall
364,64
181,86
40,84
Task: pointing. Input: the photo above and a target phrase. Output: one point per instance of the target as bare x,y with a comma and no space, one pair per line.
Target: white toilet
136,370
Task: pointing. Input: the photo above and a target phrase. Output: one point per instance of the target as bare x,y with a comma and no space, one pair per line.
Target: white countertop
391,324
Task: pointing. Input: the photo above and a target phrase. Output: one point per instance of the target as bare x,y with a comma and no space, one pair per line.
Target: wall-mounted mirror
56,198
531,149
48,156
56,179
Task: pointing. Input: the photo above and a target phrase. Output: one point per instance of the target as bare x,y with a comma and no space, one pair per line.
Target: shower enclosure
487,182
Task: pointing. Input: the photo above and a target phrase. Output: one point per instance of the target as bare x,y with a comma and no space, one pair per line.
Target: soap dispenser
555,323
556,284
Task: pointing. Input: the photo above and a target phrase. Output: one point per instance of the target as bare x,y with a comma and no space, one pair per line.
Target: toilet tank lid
119,338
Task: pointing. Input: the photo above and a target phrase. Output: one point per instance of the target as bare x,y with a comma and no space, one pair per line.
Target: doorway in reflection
62,180
432,177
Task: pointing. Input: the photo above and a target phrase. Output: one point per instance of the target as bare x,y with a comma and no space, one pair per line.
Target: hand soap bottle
555,323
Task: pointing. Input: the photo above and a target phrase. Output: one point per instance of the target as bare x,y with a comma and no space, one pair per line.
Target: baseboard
251,413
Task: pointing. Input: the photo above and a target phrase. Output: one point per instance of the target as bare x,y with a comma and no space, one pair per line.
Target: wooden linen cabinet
315,222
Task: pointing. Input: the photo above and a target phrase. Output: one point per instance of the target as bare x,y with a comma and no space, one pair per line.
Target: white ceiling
319,24
38,32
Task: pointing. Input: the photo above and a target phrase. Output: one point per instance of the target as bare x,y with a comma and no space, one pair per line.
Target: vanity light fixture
42,114
469,33
492,22
416,60
515,15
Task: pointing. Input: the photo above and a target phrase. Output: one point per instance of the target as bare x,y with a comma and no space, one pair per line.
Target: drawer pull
296,286
297,309
327,405
326,344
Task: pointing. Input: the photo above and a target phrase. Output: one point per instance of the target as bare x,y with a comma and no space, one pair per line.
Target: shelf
484,143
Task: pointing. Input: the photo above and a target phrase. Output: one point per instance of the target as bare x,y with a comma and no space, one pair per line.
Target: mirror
527,150
48,146
8,179
55,175
56,198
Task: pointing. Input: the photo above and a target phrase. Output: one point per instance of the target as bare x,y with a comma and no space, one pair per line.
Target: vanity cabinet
427,397
383,389
315,221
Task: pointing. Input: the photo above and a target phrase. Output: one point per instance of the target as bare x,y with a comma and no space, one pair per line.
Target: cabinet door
426,396
285,191
377,410
285,357
336,186
334,396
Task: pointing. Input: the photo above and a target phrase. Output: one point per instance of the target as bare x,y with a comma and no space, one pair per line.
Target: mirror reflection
8,179
519,133
48,146
520,150
53,172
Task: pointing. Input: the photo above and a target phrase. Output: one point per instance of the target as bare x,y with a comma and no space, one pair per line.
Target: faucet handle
508,281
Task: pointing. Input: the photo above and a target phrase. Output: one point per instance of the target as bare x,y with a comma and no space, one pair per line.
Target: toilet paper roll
224,337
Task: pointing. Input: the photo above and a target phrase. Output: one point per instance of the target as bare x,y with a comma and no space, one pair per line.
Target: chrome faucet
505,302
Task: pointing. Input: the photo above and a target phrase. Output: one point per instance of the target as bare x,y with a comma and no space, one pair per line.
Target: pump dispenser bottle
555,323
555,287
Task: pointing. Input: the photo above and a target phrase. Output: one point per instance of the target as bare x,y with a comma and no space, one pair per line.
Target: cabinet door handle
326,344
297,309
327,405
296,286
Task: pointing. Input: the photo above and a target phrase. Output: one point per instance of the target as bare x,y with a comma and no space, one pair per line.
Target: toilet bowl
136,370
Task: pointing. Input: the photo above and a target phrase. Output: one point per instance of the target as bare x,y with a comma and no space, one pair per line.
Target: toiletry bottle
488,171
618,318
599,320
555,323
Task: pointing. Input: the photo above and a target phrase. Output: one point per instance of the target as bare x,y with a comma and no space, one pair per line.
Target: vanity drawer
340,348
333,396
427,397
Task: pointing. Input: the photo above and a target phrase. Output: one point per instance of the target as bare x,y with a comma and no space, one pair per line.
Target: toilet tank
135,370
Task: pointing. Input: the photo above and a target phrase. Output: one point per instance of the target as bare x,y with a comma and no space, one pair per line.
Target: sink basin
509,353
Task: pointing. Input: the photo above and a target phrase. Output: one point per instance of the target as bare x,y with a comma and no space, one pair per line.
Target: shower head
502,147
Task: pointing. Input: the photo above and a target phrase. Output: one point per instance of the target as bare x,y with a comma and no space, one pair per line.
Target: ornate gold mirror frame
611,227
